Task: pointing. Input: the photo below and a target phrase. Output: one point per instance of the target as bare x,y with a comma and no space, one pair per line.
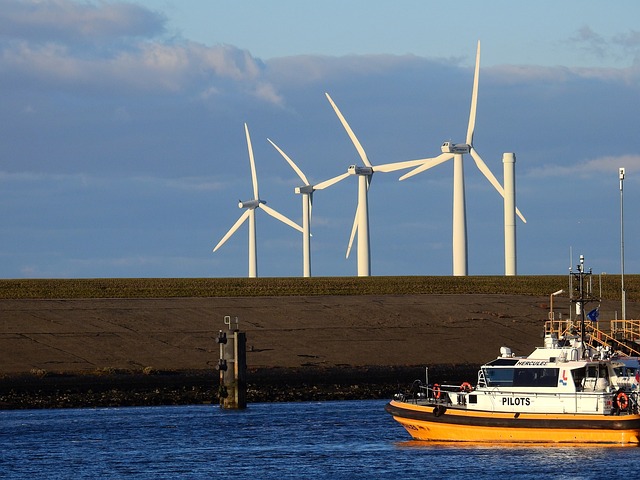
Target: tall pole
510,265
552,315
623,293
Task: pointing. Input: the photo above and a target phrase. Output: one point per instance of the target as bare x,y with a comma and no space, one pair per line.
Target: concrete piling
232,366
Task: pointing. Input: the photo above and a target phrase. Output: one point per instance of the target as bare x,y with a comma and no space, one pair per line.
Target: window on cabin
625,371
522,377
578,377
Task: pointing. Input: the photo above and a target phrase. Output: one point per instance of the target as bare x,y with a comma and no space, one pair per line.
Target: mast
581,281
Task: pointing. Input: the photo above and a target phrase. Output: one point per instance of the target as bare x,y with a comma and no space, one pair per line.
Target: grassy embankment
245,287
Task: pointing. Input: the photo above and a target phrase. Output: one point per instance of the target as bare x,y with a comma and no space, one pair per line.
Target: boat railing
623,335
628,330
434,393
563,327
455,395
482,380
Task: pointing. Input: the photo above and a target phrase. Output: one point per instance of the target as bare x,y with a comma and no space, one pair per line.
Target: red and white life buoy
466,387
436,390
622,401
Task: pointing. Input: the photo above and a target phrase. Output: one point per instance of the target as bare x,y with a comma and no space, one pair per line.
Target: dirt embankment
164,350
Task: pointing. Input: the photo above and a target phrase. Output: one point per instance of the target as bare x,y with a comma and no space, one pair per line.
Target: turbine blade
291,163
352,135
254,177
474,99
233,229
331,181
428,163
524,220
281,217
369,180
392,167
486,172
492,179
353,232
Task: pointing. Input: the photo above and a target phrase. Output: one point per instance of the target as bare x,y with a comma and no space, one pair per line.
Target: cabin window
597,371
578,377
499,377
625,371
522,377
592,377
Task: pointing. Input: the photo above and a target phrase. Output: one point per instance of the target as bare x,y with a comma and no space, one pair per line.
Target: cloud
151,68
117,48
607,165
67,21
619,46
628,40
589,40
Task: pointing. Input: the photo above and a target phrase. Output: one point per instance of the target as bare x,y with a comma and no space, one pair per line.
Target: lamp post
551,314
623,293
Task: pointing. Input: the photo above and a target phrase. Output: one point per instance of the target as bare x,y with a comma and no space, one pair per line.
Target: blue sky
122,152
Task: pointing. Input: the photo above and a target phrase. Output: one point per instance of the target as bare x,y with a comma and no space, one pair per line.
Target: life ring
622,401
436,390
466,387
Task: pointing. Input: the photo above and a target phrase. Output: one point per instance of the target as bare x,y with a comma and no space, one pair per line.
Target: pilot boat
566,391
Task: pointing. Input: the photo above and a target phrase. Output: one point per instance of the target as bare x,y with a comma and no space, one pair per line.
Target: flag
593,315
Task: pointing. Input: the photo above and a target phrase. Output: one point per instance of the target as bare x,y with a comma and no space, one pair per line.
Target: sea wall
201,387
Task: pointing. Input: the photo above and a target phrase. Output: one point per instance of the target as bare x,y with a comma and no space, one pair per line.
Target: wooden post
232,366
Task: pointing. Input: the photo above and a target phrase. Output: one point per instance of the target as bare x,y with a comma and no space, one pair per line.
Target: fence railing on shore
621,335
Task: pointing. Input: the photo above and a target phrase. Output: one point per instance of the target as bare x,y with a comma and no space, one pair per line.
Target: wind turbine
457,151
306,191
364,174
250,207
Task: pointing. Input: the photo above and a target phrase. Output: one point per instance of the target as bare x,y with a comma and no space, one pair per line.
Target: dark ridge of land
535,285
147,342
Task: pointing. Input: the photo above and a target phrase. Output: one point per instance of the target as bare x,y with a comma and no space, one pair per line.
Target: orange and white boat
563,392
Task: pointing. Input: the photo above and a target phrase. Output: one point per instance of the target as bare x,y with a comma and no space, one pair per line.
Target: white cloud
52,44
71,21
150,67
590,168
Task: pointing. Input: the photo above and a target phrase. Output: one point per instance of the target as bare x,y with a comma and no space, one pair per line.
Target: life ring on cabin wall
622,401
436,390
466,387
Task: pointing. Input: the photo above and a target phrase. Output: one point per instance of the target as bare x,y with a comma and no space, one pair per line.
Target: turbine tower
250,207
306,191
364,174
456,152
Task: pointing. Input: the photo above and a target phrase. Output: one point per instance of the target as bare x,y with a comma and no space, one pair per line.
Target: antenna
623,292
584,296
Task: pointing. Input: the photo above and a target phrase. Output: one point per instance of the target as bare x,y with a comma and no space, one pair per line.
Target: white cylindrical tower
509,164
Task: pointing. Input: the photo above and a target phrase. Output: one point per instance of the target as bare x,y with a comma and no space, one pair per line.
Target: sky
123,151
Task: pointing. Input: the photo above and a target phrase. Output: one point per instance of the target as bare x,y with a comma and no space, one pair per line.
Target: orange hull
461,425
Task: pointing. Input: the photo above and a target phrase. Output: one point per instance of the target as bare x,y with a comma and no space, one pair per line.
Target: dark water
270,441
